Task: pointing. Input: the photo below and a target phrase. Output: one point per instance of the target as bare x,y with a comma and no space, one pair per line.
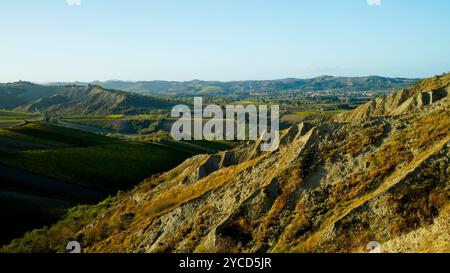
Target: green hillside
46,169
73,99
83,158
269,87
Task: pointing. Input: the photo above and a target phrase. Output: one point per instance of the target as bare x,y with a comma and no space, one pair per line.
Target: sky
87,40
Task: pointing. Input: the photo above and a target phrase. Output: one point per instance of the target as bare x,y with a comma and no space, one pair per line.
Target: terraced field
9,118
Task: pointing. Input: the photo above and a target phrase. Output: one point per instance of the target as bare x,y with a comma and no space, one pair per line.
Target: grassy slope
13,114
83,158
36,241
106,167
12,117
75,157
309,114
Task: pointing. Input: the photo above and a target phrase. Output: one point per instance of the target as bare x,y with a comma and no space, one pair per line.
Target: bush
55,239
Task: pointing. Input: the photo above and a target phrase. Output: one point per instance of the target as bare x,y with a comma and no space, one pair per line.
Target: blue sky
50,40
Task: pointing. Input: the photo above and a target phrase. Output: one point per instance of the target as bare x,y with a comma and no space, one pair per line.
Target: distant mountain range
246,88
138,97
73,99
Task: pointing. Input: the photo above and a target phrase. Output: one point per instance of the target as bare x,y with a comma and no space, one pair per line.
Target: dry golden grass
431,83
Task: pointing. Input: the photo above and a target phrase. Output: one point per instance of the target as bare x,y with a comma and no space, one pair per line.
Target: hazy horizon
225,81
157,80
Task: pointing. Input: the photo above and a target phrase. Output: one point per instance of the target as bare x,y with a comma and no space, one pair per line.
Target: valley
343,175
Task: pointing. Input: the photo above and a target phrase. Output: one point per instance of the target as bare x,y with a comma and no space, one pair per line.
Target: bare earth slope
423,93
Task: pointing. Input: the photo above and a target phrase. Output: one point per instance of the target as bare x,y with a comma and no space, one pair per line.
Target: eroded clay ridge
378,173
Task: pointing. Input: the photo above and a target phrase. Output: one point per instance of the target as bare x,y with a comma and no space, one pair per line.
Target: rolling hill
13,95
72,99
246,88
332,186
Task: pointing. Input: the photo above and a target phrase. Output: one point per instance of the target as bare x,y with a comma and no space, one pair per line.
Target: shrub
55,239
